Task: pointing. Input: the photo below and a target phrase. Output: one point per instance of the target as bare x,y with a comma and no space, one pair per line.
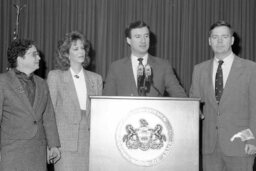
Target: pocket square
243,135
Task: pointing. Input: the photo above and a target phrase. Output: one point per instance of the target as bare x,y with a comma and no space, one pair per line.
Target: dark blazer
20,121
120,80
236,110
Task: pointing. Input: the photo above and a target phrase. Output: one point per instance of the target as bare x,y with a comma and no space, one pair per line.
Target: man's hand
250,149
53,155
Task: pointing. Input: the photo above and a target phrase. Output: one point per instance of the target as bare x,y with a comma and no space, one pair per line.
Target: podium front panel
144,134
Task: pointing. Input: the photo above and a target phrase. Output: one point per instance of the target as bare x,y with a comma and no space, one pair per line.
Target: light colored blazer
237,108
66,103
120,80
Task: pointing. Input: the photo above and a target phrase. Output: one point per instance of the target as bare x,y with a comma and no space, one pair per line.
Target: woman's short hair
62,59
17,48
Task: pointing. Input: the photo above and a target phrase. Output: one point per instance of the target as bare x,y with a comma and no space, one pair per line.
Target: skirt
24,155
77,160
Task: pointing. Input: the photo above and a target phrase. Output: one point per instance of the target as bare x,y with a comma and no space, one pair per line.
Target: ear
67,55
128,40
19,60
232,40
210,41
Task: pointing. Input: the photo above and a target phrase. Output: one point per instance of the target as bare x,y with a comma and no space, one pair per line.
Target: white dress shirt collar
80,74
135,59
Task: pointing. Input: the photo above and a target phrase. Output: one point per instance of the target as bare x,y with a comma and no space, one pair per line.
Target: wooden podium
144,134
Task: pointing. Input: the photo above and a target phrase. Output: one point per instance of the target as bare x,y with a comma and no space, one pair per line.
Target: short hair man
122,76
226,85
27,118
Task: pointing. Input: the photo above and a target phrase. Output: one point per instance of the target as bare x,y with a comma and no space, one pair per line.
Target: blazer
236,110
120,80
20,120
66,103
24,125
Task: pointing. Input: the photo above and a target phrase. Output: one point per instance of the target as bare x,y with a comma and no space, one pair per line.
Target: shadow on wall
236,46
91,54
41,72
152,46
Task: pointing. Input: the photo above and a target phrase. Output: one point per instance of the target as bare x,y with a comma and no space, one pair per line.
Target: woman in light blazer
70,86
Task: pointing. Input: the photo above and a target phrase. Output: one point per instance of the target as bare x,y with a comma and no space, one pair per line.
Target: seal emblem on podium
145,136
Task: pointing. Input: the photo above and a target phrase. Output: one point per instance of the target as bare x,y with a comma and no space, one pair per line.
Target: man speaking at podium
141,74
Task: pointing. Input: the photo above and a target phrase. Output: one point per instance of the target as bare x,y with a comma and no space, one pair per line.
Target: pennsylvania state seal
144,137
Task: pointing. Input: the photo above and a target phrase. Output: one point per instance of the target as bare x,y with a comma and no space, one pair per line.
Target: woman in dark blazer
70,86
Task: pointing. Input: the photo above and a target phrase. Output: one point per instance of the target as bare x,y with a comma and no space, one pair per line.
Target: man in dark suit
122,76
27,119
226,85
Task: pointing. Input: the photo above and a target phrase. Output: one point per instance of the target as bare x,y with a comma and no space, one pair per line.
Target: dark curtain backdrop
180,28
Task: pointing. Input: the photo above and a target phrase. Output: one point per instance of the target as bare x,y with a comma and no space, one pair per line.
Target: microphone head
140,70
148,71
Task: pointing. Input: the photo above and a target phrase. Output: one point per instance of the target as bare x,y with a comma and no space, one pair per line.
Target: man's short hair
133,25
221,23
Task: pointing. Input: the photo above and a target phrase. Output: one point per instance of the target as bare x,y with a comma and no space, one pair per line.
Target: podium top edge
145,98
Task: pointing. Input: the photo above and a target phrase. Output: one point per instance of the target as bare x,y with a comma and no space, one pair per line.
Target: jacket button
35,122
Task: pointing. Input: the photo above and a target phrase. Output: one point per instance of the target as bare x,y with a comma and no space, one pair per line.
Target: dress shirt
80,86
226,67
135,64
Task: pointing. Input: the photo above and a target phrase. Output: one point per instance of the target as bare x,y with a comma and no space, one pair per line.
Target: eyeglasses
34,54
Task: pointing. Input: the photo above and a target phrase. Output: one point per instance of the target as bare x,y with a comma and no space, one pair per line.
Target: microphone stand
145,81
142,88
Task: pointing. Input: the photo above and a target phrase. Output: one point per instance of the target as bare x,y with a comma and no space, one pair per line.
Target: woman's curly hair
62,59
17,48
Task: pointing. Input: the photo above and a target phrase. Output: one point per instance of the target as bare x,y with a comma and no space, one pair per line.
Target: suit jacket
120,80
66,103
236,110
22,122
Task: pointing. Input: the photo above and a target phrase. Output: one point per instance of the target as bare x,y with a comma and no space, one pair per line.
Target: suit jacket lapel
210,91
151,61
16,85
129,75
210,82
90,88
70,87
235,72
89,84
38,94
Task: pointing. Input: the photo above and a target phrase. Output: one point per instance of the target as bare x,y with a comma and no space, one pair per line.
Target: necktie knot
220,62
140,61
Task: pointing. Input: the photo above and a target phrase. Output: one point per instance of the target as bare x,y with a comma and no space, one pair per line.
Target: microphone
140,70
140,79
148,73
